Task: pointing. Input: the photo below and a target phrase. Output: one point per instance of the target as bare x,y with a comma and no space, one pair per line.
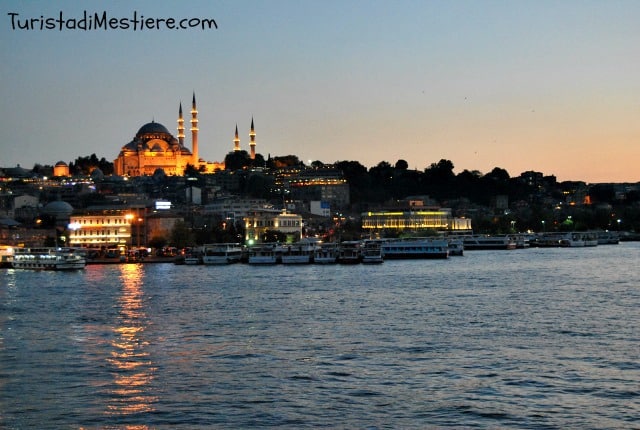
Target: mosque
154,147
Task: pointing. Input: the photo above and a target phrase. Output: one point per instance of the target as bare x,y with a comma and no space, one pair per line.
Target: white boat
262,254
488,242
349,252
456,247
415,249
579,239
326,253
221,253
371,252
295,253
608,238
47,259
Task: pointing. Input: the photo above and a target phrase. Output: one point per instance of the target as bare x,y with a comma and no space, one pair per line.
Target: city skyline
545,86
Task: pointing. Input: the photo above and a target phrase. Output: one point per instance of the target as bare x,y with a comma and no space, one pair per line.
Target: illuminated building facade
154,147
61,169
260,221
101,228
423,219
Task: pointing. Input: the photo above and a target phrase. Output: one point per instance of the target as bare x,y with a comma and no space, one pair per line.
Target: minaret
236,141
194,132
180,126
252,142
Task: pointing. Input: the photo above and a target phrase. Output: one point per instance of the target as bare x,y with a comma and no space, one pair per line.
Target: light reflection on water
133,368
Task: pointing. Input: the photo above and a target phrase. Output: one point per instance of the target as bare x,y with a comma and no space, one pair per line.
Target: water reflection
132,366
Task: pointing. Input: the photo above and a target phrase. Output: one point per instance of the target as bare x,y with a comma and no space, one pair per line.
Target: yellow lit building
103,228
154,147
260,221
431,219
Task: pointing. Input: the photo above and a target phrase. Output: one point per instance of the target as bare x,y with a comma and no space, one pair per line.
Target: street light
619,221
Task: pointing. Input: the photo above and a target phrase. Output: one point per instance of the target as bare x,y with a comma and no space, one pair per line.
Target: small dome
97,175
61,164
152,127
58,209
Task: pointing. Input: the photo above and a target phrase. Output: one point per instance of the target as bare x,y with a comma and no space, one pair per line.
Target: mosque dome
61,164
58,208
152,128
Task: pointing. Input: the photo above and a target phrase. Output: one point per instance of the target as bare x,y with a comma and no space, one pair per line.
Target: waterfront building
258,222
97,228
439,219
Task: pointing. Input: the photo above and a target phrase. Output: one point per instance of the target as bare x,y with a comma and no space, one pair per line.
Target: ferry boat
608,237
456,247
349,252
371,252
221,253
296,253
579,239
487,242
415,249
262,255
326,253
47,259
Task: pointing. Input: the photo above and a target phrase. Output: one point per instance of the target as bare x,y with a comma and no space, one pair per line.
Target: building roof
152,127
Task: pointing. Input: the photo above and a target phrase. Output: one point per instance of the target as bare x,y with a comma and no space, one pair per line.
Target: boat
295,253
371,252
349,252
221,253
415,249
6,256
488,242
608,237
456,247
192,260
262,254
326,253
48,259
548,240
578,240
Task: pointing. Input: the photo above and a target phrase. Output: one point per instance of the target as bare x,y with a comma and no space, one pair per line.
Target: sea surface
523,339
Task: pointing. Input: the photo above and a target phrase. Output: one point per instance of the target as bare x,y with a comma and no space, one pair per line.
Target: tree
402,165
181,235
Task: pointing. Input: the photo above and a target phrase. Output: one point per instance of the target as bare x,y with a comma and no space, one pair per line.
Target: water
537,338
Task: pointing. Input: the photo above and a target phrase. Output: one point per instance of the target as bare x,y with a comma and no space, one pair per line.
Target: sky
551,86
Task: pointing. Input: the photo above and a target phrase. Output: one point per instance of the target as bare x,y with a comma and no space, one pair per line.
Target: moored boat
349,252
608,237
371,252
456,247
262,254
488,242
326,253
221,253
296,253
415,249
48,259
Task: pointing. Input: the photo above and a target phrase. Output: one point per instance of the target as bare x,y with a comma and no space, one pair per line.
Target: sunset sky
551,86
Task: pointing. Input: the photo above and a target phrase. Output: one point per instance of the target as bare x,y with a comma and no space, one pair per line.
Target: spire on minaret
252,140
236,141
180,126
194,132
